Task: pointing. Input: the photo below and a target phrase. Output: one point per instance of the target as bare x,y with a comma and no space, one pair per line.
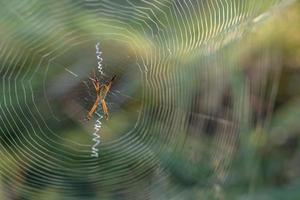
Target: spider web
177,109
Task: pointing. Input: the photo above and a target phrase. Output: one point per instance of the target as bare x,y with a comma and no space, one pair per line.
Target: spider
101,92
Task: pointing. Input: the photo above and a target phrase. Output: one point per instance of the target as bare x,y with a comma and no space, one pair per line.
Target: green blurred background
205,104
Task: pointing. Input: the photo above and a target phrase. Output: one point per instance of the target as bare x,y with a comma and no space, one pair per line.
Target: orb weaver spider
101,92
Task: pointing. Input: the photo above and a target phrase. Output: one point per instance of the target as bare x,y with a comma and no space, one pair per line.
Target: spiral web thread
179,49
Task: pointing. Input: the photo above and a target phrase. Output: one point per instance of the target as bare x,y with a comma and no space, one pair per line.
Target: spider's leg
104,108
113,78
96,85
93,109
